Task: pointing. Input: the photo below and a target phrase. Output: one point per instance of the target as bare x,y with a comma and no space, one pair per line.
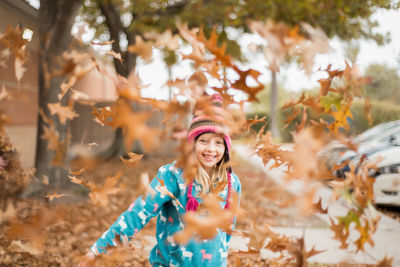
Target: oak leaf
164,190
4,94
206,227
142,48
99,195
165,39
64,113
131,158
55,195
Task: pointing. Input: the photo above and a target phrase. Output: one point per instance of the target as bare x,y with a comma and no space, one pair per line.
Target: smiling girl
211,143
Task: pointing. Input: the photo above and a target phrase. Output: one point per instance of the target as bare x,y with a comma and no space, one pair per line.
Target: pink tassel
228,197
192,203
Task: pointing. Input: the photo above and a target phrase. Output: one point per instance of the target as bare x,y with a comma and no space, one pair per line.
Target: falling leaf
33,229
77,95
99,195
4,94
45,179
55,195
90,145
164,190
165,39
115,55
64,113
143,49
144,186
52,137
77,172
134,125
102,115
9,214
206,227
19,247
385,262
19,69
102,43
76,180
131,159
178,83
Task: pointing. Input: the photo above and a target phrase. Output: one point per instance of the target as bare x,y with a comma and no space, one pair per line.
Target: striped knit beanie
203,123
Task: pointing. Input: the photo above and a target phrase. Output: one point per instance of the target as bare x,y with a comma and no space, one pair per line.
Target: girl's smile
209,149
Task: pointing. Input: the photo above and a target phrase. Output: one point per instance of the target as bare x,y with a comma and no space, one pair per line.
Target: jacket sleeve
139,212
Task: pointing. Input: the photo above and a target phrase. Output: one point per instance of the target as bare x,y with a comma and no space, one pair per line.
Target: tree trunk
56,20
273,122
124,68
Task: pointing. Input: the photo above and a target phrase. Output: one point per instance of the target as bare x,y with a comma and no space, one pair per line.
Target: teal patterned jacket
167,252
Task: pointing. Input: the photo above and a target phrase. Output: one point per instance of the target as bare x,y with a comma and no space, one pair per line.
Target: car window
377,131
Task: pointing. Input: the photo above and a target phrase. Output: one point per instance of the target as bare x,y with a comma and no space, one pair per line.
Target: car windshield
377,130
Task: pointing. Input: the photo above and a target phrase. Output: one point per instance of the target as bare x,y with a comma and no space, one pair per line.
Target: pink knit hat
201,124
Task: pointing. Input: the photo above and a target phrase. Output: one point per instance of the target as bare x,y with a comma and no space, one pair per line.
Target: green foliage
264,99
345,19
384,85
381,112
332,99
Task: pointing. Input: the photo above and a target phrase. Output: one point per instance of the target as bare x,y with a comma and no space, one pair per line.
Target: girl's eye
203,141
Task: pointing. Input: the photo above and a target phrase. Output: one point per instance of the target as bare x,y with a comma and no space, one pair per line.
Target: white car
387,177
371,140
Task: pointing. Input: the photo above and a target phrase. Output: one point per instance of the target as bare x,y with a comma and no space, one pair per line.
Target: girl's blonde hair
218,175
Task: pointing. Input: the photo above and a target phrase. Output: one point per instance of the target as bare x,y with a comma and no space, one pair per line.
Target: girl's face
209,149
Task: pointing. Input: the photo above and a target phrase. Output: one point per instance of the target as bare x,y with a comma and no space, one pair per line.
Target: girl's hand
88,260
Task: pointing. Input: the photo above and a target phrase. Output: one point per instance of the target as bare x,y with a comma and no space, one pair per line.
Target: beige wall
22,109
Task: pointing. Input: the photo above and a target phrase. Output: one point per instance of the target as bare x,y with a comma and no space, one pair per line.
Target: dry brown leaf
64,113
131,159
99,195
134,125
178,83
102,43
143,49
76,180
77,95
191,36
12,39
19,68
90,145
115,55
9,214
45,179
385,262
165,39
102,115
4,94
33,229
61,151
50,134
55,195
206,227
78,172
19,247
66,86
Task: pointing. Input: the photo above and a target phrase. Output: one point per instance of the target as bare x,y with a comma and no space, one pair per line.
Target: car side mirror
393,140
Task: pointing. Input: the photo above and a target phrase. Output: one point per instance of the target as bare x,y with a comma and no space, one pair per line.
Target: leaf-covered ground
68,226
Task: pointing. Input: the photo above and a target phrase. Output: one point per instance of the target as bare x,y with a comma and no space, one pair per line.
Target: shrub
381,112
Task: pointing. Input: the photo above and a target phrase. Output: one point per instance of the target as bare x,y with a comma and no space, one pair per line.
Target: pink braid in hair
192,203
228,198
